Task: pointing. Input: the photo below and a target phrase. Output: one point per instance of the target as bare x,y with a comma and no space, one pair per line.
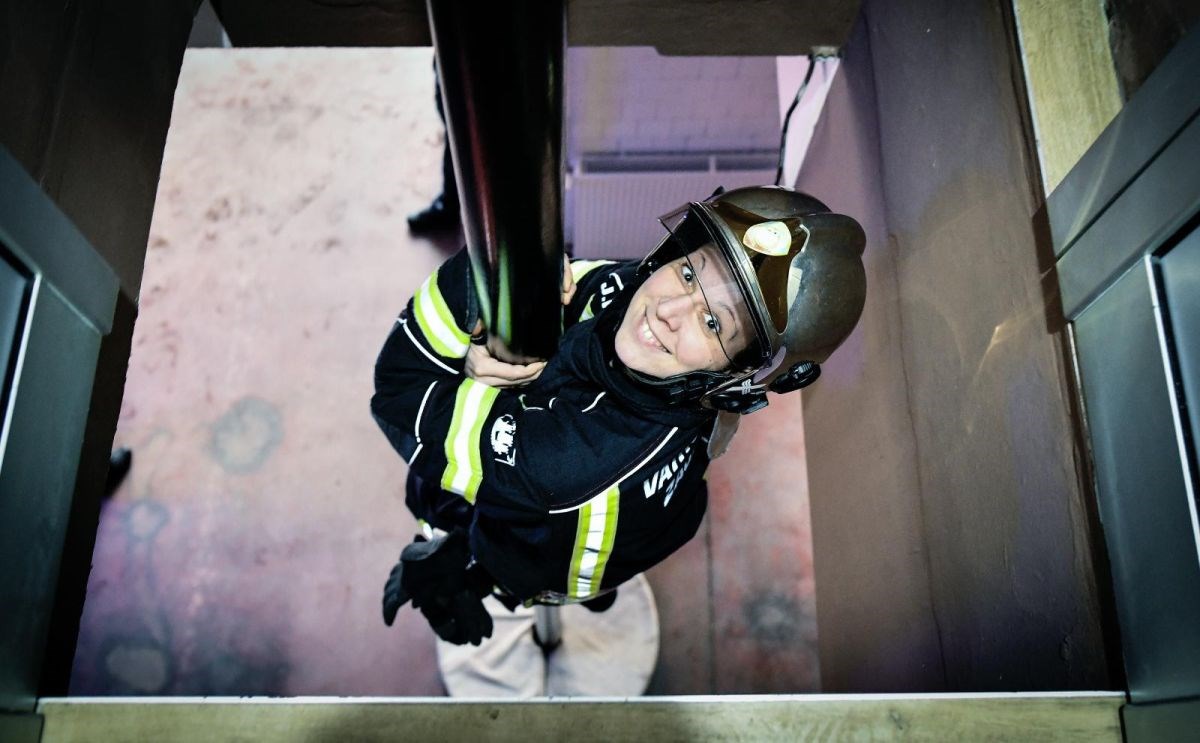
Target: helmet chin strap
681,388
732,393
714,390
742,396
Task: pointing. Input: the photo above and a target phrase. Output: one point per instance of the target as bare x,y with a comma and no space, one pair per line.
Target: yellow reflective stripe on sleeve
579,269
464,467
437,322
593,543
587,311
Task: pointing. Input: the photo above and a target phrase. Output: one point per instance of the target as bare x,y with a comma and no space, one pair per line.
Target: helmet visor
725,313
762,248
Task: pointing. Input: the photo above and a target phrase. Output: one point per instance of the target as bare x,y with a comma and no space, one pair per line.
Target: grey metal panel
1164,196
15,288
1142,488
41,237
1155,723
1163,105
21,728
1181,285
38,460
70,307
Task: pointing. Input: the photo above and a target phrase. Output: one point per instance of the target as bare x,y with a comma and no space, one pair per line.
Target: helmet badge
768,238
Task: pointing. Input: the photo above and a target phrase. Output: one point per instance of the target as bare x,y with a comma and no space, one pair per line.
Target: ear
799,376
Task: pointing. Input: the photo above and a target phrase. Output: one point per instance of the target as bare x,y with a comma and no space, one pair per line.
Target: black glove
440,579
603,602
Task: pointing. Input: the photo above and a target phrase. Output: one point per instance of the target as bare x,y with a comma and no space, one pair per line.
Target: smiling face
688,316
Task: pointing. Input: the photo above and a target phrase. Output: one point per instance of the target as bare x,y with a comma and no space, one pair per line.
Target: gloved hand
603,602
440,580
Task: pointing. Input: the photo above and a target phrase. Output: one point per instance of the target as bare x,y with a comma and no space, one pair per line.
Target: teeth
650,336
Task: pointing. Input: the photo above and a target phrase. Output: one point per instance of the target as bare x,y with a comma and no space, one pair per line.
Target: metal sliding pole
547,627
500,70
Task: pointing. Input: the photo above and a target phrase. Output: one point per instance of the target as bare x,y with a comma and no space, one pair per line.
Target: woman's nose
672,310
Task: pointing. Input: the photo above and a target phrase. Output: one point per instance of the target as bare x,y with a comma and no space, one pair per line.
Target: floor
246,550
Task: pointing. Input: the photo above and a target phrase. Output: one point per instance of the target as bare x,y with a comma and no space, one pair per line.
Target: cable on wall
787,119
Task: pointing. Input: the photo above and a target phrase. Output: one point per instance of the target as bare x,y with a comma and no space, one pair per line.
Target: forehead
716,279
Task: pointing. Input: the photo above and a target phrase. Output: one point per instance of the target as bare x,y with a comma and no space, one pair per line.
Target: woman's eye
711,323
687,274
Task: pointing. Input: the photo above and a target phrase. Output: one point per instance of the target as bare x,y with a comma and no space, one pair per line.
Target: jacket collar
588,352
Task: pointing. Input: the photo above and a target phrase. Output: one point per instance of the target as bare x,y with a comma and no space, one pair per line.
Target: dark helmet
797,266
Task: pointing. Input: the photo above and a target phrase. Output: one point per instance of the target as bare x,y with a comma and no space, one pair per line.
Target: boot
439,215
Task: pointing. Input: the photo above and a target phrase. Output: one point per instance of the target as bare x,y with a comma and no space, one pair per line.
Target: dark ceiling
691,27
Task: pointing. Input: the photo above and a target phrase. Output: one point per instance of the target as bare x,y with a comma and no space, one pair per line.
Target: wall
952,533
875,624
85,100
632,99
87,89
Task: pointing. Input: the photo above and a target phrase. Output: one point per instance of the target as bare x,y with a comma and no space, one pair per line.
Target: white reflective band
594,403
437,322
579,269
404,324
587,313
594,537
417,424
582,268
464,466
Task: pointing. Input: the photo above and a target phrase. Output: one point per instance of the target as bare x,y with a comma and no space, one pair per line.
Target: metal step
1047,716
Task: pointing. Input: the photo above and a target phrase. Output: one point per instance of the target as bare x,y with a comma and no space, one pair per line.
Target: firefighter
556,481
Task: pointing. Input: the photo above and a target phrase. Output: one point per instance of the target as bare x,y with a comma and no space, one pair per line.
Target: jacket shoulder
580,446
597,284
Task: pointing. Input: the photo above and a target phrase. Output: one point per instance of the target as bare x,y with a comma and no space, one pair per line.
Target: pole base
607,654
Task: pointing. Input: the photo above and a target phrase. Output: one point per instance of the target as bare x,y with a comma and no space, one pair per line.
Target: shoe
118,467
439,215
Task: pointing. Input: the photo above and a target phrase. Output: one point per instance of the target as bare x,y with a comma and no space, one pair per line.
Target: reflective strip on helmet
593,543
437,322
464,468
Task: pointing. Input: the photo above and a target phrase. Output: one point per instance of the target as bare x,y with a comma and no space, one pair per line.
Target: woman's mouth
648,337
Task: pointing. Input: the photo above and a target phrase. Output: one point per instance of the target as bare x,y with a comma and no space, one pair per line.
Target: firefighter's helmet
798,268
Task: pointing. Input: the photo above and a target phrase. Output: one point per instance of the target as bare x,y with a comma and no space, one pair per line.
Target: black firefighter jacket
568,486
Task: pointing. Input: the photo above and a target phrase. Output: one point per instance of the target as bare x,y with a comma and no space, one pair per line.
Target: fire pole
500,67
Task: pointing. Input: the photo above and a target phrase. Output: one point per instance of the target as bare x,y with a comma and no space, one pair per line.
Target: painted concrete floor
246,551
